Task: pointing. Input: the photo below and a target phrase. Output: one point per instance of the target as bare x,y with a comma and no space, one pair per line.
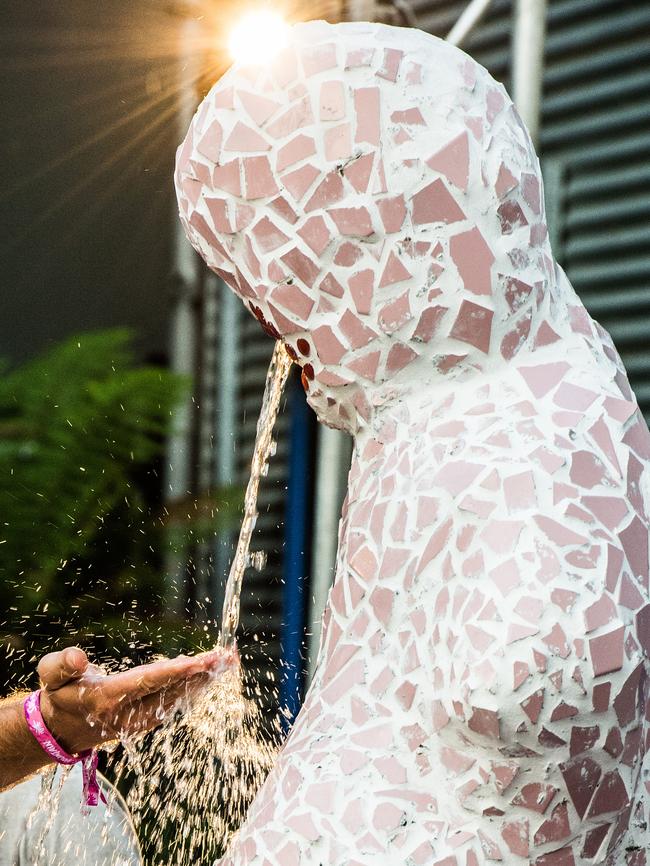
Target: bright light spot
257,37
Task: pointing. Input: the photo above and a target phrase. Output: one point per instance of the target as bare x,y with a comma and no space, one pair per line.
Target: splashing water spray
193,779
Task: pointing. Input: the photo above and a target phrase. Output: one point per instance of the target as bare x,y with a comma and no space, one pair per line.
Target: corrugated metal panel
596,137
595,150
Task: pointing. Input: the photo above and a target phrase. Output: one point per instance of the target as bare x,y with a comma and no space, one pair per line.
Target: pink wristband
88,758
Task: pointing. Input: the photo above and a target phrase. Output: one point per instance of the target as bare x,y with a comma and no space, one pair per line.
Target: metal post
528,38
206,388
183,325
469,18
296,522
334,450
225,419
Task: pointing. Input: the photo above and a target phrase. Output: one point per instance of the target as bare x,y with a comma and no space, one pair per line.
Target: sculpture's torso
480,690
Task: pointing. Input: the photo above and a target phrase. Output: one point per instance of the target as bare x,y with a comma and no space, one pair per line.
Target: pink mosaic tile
219,212
258,178
393,213
358,171
361,288
329,191
332,100
294,118
298,181
243,139
318,58
435,204
348,254
366,103
473,258
473,325
282,208
209,145
316,234
268,236
389,69
394,272
453,161
257,107
354,221
359,57
296,150
227,177
338,142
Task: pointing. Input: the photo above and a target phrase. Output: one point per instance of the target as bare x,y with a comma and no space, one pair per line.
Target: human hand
83,706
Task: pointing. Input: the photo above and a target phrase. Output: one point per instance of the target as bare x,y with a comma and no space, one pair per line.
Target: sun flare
257,37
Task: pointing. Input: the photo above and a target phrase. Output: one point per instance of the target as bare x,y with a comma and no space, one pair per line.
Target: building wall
86,157
595,152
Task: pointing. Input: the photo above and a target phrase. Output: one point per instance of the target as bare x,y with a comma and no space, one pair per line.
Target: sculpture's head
374,199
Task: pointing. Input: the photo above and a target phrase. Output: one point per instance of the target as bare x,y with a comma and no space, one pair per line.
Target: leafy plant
82,534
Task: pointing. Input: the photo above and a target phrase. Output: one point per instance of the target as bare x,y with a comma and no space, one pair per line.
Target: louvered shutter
595,145
595,152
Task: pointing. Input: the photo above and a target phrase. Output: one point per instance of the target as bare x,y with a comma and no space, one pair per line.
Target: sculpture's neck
470,342
423,392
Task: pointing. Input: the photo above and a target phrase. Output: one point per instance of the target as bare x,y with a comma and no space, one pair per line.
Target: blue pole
296,524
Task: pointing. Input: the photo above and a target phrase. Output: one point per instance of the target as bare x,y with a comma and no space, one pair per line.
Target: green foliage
71,423
82,533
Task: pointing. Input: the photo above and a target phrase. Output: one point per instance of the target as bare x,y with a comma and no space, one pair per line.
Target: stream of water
275,381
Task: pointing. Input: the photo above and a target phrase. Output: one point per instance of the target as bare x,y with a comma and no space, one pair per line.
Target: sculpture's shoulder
549,442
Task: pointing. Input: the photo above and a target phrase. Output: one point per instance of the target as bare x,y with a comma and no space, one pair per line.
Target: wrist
29,747
52,718
53,747
20,754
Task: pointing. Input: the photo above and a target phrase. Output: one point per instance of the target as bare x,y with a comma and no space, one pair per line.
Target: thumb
57,669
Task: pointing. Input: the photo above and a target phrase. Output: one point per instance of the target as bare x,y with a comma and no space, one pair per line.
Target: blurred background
132,378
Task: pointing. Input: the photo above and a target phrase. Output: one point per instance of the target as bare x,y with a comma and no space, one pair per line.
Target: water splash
43,815
257,560
197,774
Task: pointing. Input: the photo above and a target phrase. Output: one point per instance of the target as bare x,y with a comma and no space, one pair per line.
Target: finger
137,683
218,660
186,690
152,710
94,670
142,716
57,669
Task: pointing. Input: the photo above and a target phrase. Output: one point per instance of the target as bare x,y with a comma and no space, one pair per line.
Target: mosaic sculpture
482,692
